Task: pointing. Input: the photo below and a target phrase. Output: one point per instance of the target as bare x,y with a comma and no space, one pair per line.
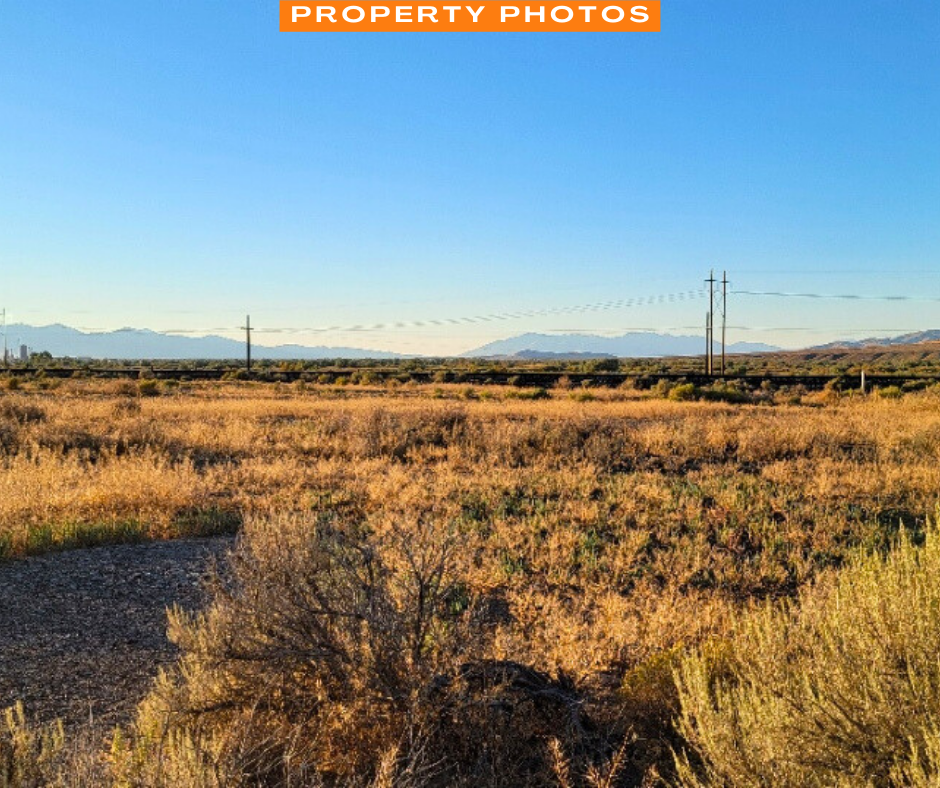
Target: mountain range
637,344
136,343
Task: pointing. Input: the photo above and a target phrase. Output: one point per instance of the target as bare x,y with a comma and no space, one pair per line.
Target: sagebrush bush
28,756
841,690
890,392
683,392
37,756
20,411
337,652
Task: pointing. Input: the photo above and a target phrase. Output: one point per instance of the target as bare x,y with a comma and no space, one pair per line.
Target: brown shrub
20,411
331,647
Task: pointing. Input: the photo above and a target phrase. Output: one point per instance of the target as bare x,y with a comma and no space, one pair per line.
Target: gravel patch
83,633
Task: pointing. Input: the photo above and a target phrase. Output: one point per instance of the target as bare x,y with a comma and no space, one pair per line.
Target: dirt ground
82,633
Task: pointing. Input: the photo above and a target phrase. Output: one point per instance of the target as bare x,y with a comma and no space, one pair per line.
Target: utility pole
6,356
710,357
724,317
247,328
708,337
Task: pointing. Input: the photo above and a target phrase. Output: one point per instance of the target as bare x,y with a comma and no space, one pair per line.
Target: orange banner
481,17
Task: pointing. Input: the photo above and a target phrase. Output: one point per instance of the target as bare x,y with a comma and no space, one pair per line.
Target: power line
601,306
834,296
717,302
827,329
626,329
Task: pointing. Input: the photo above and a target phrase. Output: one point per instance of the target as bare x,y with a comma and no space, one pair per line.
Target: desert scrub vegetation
338,654
572,551
841,689
40,756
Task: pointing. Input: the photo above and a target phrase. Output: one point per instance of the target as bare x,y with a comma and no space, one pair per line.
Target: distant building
24,353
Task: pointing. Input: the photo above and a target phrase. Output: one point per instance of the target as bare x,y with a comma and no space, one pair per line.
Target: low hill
920,358
915,338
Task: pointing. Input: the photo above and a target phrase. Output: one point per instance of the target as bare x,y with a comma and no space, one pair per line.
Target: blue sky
174,165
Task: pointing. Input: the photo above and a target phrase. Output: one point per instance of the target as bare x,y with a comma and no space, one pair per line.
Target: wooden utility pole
247,328
724,317
707,319
710,329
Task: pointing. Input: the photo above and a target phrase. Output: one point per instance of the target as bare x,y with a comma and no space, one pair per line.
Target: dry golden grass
601,536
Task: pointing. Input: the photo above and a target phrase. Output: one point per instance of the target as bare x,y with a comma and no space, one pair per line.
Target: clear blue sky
174,165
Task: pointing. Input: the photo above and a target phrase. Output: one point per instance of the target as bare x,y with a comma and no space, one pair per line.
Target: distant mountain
545,355
136,343
914,338
639,344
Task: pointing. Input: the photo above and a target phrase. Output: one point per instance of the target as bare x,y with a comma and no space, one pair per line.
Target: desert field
490,586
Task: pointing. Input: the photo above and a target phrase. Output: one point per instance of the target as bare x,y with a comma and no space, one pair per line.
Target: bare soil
83,633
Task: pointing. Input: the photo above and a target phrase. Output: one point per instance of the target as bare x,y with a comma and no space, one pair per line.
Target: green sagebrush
840,690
